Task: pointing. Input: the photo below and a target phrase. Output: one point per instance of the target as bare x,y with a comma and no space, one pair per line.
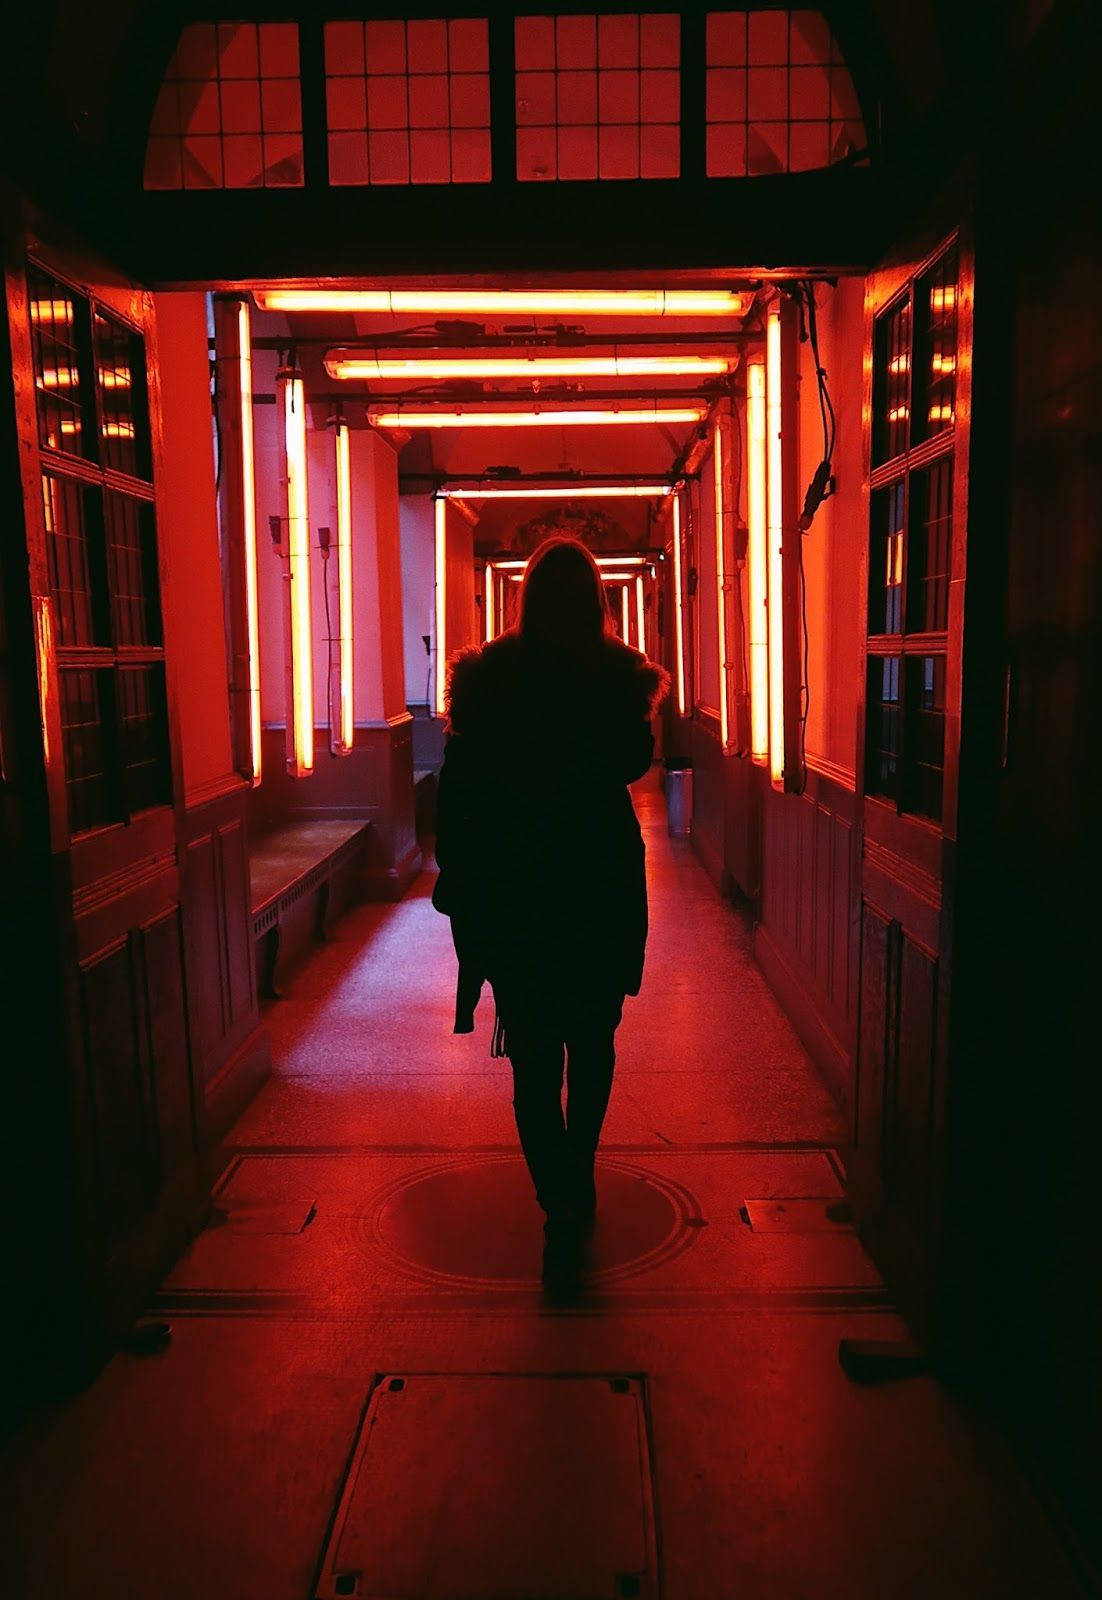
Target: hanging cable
323,546
821,485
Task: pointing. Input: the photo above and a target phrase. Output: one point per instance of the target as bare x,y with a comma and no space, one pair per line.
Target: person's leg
591,1057
535,1053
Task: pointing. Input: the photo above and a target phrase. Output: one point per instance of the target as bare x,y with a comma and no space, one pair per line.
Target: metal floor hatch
504,1487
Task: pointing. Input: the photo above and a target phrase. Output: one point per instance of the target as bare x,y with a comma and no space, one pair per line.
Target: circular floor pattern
474,1221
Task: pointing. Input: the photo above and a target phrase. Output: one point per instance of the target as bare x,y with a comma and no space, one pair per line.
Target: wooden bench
303,876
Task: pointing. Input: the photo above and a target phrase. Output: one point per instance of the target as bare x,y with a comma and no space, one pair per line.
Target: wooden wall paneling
910,1087
112,1019
804,939
877,1034
708,802
169,1058
233,877
206,985
229,1045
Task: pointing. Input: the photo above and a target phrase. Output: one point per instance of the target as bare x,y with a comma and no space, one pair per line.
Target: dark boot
563,1257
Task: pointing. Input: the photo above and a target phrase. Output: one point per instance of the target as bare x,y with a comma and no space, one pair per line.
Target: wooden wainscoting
807,940
140,1184
709,801
229,1047
373,783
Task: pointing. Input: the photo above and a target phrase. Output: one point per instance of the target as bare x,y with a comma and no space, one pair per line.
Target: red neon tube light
678,610
300,743
348,365
511,302
579,418
758,553
344,582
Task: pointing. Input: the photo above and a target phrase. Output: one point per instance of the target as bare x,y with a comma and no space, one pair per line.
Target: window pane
132,570
925,750
59,336
936,298
120,389
779,97
225,86
87,713
892,382
886,560
143,727
75,555
930,548
416,95
883,727
598,96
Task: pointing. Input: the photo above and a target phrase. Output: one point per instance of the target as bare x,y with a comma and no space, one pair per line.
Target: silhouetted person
541,865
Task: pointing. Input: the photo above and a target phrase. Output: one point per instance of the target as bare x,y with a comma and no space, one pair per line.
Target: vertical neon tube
488,581
775,464
678,609
758,562
248,530
300,752
721,584
441,599
344,581
640,613
624,612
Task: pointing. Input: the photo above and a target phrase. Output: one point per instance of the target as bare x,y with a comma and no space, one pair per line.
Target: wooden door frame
914,1268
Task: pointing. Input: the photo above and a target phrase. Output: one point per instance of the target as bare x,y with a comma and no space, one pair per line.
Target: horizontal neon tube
532,419
602,561
408,367
633,491
598,302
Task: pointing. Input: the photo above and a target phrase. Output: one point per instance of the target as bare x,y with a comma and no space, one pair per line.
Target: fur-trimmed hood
485,678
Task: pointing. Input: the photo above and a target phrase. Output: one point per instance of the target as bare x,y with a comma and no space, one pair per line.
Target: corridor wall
230,1052
809,897
191,577
416,523
373,782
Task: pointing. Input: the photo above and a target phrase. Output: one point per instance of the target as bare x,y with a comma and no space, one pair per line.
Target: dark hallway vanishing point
320,325
373,1222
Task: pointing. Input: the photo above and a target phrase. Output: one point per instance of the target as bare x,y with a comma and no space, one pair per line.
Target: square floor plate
799,1216
475,1487
291,1217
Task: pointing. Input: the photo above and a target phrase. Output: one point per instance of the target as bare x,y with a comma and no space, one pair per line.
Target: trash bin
679,799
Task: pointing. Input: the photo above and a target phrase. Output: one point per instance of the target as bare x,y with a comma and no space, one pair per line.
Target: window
101,550
911,541
779,97
408,102
229,113
598,96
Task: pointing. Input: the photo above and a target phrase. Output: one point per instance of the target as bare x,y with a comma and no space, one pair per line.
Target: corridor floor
367,1298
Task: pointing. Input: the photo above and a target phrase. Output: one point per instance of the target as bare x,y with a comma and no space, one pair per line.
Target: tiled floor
373,1219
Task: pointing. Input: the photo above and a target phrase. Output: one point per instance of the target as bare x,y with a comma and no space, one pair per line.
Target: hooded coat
540,854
